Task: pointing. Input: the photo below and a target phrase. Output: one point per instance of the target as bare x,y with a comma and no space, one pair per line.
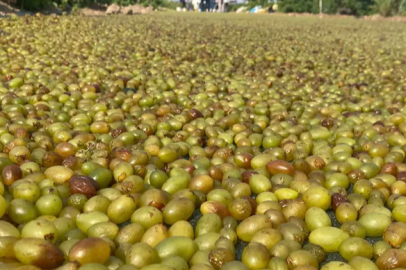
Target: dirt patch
128,10
92,12
115,9
380,18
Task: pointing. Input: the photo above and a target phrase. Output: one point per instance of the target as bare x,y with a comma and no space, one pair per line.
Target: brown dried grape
391,259
11,173
280,166
194,114
337,199
80,184
51,159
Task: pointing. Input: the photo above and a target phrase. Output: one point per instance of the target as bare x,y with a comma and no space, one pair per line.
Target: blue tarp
255,9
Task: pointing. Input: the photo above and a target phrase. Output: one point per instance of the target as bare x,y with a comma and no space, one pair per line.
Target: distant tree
299,6
402,7
390,7
329,6
350,7
254,3
34,5
355,7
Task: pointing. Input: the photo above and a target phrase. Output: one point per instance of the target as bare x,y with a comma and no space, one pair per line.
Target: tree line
348,7
38,5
